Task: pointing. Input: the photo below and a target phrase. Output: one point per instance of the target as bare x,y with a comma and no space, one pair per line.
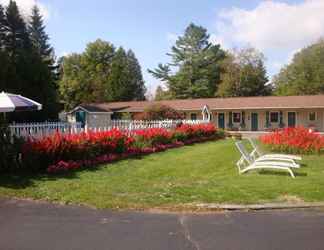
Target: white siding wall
97,120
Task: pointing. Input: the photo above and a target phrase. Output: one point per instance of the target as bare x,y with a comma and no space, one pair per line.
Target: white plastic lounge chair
256,153
247,162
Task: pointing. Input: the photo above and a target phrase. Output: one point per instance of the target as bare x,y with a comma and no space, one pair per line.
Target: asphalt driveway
33,225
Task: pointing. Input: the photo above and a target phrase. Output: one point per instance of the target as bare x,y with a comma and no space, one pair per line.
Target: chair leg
291,172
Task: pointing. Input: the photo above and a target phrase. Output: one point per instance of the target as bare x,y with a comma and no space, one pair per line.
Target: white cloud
276,28
273,25
25,7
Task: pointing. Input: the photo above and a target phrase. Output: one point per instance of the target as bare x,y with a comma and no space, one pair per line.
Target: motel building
237,114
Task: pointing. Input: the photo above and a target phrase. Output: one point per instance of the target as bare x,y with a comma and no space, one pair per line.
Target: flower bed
294,140
68,152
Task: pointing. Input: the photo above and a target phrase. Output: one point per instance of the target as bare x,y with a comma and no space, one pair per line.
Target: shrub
153,136
162,112
294,140
10,148
38,154
67,152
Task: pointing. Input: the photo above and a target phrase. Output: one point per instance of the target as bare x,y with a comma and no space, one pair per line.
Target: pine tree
26,73
2,27
3,55
17,38
136,83
197,65
39,38
43,62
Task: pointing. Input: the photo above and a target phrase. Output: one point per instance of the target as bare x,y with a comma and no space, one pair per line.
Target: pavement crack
186,232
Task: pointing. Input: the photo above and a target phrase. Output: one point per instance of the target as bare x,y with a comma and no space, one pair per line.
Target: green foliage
137,87
304,75
197,65
244,74
9,149
161,94
162,112
39,38
100,74
27,62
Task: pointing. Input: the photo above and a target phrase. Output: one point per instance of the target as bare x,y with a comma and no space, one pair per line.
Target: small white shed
90,116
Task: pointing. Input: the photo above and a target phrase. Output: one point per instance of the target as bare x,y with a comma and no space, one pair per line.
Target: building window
274,117
236,117
193,116
312,116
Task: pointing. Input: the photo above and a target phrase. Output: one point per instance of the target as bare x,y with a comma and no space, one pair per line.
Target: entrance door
80,116
221,120
291,119
254,122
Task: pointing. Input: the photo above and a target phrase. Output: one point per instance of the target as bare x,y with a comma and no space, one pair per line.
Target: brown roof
260,102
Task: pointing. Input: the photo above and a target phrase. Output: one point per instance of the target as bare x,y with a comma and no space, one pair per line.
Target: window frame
315,118
278,117
196,118
233,116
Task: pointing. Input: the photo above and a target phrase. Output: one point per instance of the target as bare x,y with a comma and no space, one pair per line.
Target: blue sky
277,28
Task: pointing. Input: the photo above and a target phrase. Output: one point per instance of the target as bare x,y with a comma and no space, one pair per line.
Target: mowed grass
193,174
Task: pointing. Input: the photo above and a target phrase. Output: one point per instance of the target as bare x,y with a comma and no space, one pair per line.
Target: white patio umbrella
12,102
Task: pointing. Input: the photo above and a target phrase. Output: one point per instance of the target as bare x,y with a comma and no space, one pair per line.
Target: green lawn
192,174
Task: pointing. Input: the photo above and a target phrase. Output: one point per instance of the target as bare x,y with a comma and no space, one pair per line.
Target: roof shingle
260,102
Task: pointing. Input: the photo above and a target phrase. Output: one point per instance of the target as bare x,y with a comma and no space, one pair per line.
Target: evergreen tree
136,83
2,27
39,38
24,71
3,55
43,54
197,65
16,39
244,74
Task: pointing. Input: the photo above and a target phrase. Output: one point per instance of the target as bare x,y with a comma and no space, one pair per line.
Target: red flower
299,140
68,152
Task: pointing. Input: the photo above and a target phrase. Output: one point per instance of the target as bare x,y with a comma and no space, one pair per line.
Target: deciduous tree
244,74
304,75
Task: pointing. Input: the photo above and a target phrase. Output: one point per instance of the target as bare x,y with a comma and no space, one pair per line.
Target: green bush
10,149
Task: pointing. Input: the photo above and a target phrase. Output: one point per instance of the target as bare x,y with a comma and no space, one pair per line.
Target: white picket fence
141,124
39,130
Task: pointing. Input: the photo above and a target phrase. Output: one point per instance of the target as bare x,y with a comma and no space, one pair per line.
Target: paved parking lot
34,225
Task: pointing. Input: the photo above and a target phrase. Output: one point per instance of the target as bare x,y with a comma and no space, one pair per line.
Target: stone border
266,206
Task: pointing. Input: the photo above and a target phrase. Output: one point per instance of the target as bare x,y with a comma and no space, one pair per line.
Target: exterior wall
302,119
197,112
92,119
96,120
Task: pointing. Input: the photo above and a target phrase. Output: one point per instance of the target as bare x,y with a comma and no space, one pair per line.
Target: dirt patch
290,198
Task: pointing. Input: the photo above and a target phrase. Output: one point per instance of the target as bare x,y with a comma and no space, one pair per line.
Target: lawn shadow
24,180
277,173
